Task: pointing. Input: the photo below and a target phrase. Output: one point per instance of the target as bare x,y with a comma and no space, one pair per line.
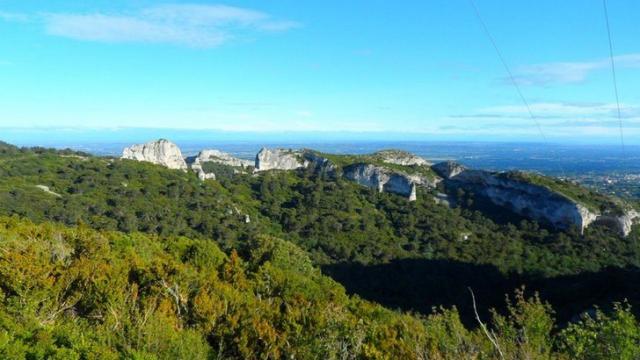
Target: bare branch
491,338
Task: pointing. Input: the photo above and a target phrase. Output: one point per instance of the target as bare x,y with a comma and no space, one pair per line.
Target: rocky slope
218,157
161,152
321,165
524,197
382,179
375,171
279,159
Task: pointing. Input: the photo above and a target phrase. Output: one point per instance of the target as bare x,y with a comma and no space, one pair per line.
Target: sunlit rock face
162,152
320,164
218,157
382,179
279,159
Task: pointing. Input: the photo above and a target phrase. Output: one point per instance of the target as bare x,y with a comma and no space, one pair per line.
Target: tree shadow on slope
420,284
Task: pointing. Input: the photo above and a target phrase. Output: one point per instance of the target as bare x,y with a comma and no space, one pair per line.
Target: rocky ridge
219,157
382,179
534,201
403,174
279,159
162,152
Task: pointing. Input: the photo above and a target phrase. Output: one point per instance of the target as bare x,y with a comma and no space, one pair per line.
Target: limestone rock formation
320,164
279,159
620,222
381,179
219,157
161,152
223,158
448,169
399,157
533,201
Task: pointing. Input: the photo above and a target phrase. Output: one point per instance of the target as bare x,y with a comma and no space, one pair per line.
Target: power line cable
514,82
613,74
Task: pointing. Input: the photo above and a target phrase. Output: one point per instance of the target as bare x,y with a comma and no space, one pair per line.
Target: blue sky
412,67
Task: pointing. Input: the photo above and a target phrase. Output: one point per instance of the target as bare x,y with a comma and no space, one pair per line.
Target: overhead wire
515,84
613,74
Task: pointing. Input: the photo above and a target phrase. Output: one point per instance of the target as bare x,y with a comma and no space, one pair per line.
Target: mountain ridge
402,173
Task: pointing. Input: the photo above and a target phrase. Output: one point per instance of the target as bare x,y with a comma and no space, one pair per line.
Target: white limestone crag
320,164
219,157
162,152
279,159
382,179
223,158
399,157
448,169
622,223
534,201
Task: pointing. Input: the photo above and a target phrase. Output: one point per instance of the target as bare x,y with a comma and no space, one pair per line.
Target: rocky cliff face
621,223
279,159
448,169
223,158
399,157
532,201
381,179
219,157
378,177
161,152
320,164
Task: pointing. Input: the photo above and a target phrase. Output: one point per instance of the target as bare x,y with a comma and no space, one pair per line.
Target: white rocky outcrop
382,179
223,158
219,157
320,164
399,157
533,201
162,152
448,169
279,159
623,223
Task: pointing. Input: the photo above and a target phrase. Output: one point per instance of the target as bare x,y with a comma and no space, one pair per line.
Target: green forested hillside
406,255
76,293
335,220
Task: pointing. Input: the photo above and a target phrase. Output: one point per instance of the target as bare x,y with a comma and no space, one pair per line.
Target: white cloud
216,15
116,29
15,17
180,24
559,73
